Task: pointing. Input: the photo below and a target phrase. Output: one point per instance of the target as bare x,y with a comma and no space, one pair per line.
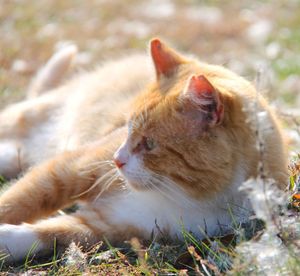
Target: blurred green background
245,36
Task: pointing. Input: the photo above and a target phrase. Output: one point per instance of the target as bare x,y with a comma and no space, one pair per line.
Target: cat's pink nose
121,156
118,163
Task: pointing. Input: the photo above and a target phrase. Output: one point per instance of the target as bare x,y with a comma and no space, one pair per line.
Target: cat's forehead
144,107
162,123
158,106
141,120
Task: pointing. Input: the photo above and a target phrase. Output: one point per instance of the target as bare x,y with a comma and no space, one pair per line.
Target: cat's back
97,101
80,111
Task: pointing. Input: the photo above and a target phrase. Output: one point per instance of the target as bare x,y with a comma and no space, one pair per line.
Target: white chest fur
152,211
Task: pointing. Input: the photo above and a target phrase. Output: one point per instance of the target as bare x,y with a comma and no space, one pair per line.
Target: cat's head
179,132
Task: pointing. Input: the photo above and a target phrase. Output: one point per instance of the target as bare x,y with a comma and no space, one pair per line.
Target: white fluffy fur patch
17,241
8,159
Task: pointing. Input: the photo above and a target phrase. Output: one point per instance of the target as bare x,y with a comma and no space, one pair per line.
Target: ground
253,38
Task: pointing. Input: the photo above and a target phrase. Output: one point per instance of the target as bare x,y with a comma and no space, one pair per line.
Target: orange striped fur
179,157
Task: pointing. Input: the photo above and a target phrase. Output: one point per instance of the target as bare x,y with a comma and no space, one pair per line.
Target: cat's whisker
88,171
157,185
152,183
152,186
94,168
108,150
107,174
122,181
97,182
86,191
121,178
96,165
123,185
104,162
171,189
164,192
106,185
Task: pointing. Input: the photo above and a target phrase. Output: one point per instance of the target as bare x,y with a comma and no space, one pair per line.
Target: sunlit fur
72,115
187,177
204,160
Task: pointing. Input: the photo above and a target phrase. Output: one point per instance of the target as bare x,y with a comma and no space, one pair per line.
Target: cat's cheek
134,172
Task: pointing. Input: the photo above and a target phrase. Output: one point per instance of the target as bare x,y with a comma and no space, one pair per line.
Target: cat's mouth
134,181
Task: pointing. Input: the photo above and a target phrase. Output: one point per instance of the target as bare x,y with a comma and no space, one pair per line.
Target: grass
33,31
233,254
171,259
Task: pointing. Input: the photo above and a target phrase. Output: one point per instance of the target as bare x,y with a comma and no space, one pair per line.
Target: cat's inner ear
202,98
165,59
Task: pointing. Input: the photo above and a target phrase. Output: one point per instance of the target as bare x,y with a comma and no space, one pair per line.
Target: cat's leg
52,73
60,182
19,241
42,191
86,228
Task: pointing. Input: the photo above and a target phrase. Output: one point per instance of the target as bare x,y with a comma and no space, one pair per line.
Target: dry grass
244,35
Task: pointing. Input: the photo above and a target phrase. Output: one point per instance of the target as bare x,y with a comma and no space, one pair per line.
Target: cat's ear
204,99
165,59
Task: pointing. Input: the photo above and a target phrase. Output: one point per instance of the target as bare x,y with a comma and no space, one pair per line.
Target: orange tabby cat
189,144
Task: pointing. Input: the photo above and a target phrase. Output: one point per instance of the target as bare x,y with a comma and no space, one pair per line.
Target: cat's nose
121,156
118,163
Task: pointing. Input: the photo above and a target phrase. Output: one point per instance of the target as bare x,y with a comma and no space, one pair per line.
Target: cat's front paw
17,241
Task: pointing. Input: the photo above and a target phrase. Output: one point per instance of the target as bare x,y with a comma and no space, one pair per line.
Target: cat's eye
149,143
